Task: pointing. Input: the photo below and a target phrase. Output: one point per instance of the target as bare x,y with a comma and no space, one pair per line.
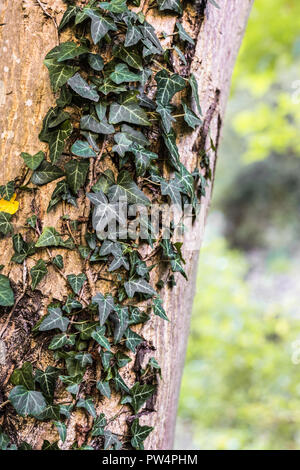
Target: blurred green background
241,382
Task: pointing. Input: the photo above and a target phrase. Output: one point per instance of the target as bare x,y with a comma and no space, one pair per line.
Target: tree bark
26,35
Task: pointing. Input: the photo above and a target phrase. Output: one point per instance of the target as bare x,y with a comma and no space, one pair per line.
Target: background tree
28,31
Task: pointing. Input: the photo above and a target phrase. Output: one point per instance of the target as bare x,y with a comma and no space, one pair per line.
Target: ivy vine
102,80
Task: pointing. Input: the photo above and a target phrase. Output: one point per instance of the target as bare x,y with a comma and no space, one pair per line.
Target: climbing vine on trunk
112,140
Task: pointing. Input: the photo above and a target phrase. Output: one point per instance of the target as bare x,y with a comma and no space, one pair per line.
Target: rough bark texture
26,35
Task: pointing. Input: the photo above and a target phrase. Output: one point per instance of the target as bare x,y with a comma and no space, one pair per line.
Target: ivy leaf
135,135
115,6
120,385
106,356
138,285
143,158
171,188
149,33
137,316
166,116
70,50
61,340
176,266
104,388
76,172
70,13
47,380
58,139
120,319
33,161
23,376
122,74
167,86
71,304
38,272
82,149
158,309
5,224
84,359
174,5
183,34
80,86
180,54
62,430
65,97
128,112
99,425
105,304
108,86
86,329
170,142
49,237
27,402
127,188
194,87
76,281
140,394
91,124
6,292
59,73
54,320
132,339
190,117
96,62
46,173
129,56
118,262
122,359
7,190
88,405
139,434
100,25
111,440
186,181
105,213
123,144
133,35
58,261
99,336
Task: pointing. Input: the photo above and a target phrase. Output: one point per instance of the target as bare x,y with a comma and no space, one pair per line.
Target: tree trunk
26,35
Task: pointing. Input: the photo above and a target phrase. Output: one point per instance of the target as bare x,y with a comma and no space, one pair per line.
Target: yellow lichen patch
10,206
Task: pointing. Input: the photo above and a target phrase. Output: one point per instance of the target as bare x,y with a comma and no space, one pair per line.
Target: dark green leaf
68,15
33,161
38,272
139,434
132,339
138,285
70,50
158,309
76,172
54,320
131,113
105,306
104,388
100,25
62,430
99,336
174,5
167,86
190,117
82,149
46,173
88,405
5,224
6,293
123,74
140,394
27,402
80,86
23,376
47,380
76,281
194,87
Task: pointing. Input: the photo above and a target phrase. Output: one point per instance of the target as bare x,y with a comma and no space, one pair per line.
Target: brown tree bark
27,33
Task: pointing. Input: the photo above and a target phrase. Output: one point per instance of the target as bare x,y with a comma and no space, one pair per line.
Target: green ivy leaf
99,336
23,376
5,224
132,339
7,190
104,388
174,5
89,123
170,141
123,144
54,320
167,86
61,340
130,112
49,237
46,173
96,62
86,329
84,359
143,158
27,402
70,13
58,139
138,285
99,425
111,440
158,309
140,394
33,161
139,434
171,188
100,25
62,430
76,172
129,56
82,149
6,293
127,188
47,380
80,86
184,36
133,35
105,304
76,281
122,74
58,261
115,6
190,117
38,272
194,86
120,319
59,73
70,50
166,116
71,304
88,405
